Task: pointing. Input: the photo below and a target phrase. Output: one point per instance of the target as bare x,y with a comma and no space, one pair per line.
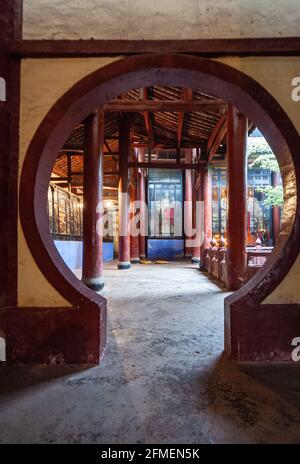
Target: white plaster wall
160,19
45,80
42,83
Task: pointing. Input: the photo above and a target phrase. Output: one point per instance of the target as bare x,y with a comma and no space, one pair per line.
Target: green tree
273,196
260,156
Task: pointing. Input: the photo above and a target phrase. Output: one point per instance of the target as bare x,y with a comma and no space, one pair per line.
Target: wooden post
142,199
92,262
206,197
124,237
236,258
134,236
275,209
188,206
10,73
197,213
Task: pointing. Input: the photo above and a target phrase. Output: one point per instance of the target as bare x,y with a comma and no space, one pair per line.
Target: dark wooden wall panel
10,29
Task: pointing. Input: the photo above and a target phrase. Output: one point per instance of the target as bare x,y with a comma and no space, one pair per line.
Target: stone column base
124,265
94,283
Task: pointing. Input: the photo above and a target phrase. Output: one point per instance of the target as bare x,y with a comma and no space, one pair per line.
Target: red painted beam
273,46
164,165
148,121
216,137
206,104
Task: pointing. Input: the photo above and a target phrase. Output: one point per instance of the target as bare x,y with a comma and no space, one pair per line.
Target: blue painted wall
169,249
71,252
108,251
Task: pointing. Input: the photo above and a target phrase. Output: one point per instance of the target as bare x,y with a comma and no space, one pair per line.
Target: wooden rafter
161,117
180,124
187,97
179,128
148,120
216,137
107,146
192,130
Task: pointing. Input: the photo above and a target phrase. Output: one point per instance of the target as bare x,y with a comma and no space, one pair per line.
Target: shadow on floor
163,379
19,377
255,404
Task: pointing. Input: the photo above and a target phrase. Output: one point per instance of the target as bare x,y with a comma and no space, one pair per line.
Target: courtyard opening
169,269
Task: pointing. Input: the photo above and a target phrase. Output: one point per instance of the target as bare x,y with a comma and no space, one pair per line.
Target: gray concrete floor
164,378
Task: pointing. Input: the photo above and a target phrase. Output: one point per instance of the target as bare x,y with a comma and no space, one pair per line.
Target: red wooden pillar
143,208
275,209
10,73
188,206
197,217
134,232
206,197
236,258
92,262
124,237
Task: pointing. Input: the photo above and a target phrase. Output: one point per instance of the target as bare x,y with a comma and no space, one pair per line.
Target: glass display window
65,214
219,200
165,194
259,216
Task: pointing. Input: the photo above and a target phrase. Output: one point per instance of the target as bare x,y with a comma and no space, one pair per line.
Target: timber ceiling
196,126
163,120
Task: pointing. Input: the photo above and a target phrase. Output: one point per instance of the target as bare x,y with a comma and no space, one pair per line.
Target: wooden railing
256,257
214,261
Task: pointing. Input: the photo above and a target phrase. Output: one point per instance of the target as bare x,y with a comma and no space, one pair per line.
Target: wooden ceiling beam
179,128
80,174
80,185
216,137
168,165
149,128
132,106
266,46
187,97
148,120
163,146
80,152
107,147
